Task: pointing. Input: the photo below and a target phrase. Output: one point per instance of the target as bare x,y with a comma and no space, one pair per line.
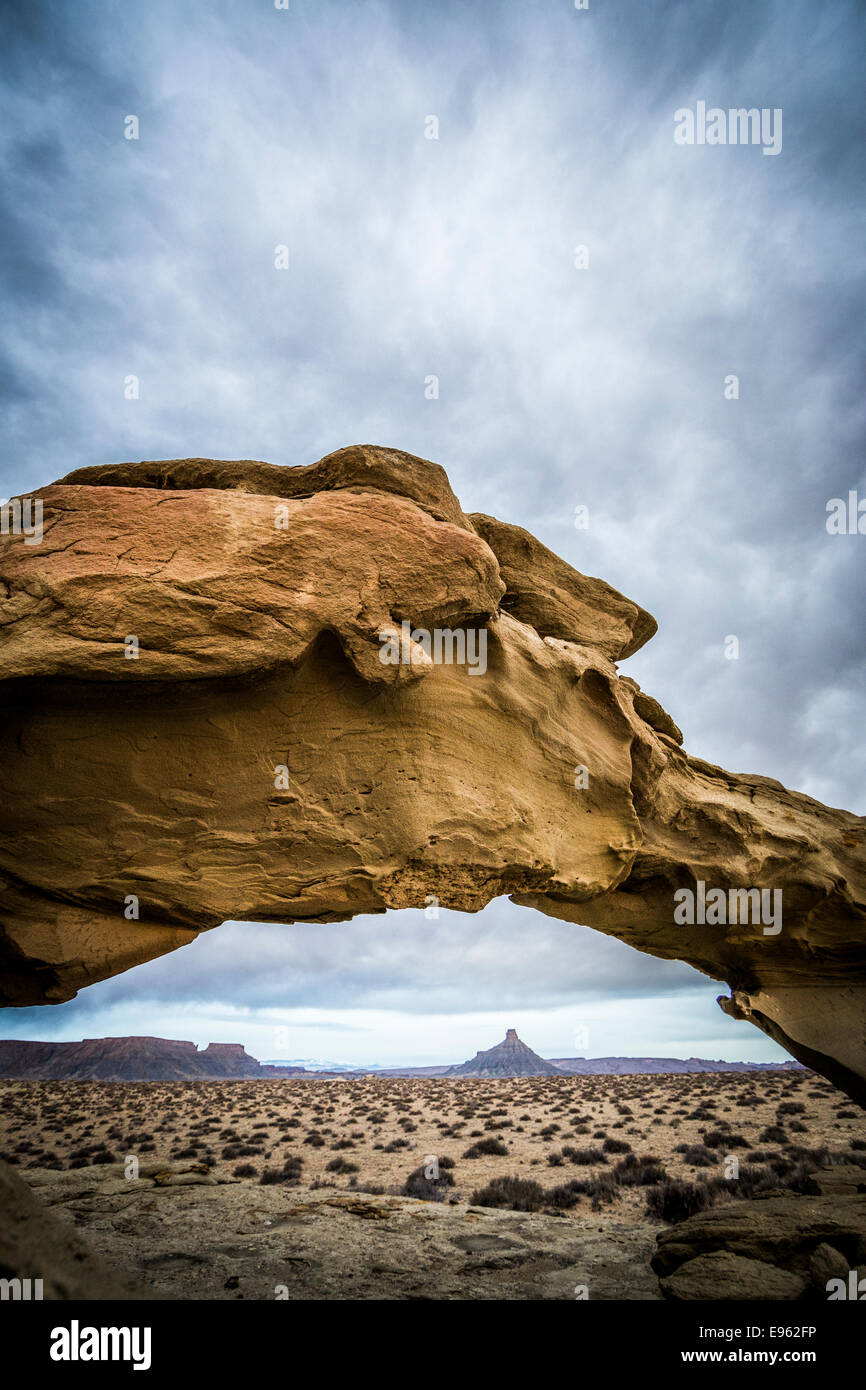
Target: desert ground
415,1188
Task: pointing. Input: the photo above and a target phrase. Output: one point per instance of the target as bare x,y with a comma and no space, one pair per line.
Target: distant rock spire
511,1057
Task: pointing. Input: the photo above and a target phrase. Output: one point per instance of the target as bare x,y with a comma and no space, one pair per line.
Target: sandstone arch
258,595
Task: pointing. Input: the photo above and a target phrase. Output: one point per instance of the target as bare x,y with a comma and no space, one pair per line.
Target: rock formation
35,1244
660,1066
197,725
511,1057
783,1247
132,1059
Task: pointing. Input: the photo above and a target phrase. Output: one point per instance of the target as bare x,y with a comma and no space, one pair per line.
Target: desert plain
408,1188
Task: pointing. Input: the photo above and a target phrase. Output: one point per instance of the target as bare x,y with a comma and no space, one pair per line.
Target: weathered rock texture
35,1244
778,1248
258,595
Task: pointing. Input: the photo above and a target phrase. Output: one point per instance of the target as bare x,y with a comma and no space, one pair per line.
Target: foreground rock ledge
258,596
781,1247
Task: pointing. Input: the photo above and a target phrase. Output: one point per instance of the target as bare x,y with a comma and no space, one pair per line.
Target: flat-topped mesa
199,724
125,1059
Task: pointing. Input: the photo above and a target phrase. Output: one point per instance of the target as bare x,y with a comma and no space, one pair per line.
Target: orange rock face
198,724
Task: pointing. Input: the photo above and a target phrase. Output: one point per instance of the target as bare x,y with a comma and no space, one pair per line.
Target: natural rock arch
257,597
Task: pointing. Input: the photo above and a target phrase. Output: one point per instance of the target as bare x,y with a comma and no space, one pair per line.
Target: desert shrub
831,1156
791,1107
245,1170
675,1200
753,1180
518,1194
563,1197
428,1189
494,1147
341,1165
773,1134
616,1146
725,1139
582,1158
602,1189
289,1173
643,1171
698,1156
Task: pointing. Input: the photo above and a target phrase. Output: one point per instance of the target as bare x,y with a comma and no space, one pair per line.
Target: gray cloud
501,957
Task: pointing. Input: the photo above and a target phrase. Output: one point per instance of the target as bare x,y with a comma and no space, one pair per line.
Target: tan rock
36,1245
557,601
731,1277
826,1263
782,1231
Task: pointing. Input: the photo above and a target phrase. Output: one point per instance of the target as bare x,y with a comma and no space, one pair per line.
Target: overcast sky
558,386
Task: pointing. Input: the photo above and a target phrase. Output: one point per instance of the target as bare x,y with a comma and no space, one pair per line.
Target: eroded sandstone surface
785,1247
255,759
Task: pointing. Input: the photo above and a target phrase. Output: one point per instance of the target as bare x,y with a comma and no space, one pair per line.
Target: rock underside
249,755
